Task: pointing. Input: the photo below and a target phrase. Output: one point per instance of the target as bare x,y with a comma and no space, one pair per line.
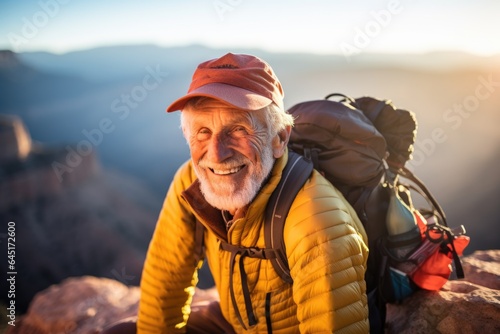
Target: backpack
361,146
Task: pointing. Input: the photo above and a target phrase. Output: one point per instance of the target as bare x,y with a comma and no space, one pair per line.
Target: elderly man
237,130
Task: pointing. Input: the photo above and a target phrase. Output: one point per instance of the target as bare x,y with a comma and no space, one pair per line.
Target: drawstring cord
243,252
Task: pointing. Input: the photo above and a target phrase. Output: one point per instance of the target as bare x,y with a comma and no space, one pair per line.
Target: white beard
227,196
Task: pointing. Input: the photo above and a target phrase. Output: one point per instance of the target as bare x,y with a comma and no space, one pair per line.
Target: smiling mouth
227,171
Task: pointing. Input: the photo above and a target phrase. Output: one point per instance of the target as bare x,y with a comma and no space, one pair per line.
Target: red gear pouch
435,271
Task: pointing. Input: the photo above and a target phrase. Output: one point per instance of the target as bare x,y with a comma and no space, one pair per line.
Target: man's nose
219,149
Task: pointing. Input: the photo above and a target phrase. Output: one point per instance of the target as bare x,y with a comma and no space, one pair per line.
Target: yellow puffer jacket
326,247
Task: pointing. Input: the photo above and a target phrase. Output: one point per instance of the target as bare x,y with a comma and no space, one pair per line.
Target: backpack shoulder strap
296,172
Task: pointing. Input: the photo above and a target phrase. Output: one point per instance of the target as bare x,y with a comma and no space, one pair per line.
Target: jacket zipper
268,313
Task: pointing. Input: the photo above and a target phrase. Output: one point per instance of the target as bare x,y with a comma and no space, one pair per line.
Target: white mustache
226,165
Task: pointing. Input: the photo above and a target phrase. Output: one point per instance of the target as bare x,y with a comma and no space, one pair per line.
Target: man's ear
280,142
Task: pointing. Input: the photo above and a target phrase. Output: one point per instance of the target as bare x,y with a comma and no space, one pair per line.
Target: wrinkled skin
233,152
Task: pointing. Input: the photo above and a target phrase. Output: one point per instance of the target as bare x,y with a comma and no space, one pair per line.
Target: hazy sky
319,26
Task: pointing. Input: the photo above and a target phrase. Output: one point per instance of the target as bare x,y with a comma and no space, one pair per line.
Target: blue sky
318,26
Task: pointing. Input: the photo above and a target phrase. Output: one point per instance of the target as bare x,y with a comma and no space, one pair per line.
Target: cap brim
235,96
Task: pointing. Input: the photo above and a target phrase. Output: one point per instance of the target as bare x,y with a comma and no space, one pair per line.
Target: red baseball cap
243,81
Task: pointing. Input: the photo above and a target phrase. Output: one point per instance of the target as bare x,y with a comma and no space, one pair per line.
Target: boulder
85,305
78,305
471,305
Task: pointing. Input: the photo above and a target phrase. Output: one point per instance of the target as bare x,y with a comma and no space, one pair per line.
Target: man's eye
203,134
239,131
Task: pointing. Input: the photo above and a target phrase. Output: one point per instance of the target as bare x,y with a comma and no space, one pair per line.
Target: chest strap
243,252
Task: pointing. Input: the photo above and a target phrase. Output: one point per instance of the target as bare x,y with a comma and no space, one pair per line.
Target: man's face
231,150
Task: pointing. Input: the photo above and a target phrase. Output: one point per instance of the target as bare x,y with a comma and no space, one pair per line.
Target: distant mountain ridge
126,60
22,83
91,221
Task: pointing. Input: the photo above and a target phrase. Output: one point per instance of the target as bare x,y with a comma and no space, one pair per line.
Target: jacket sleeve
327,250
169,275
